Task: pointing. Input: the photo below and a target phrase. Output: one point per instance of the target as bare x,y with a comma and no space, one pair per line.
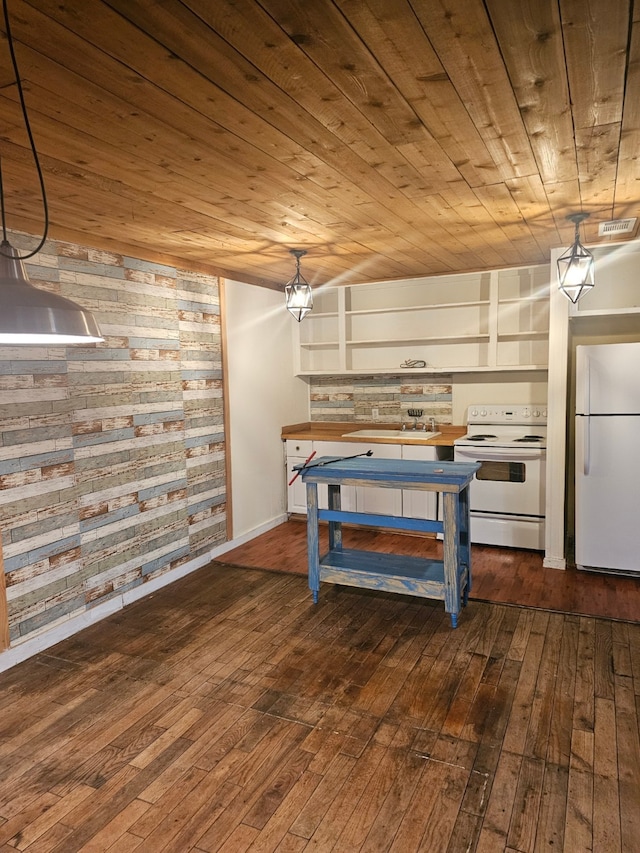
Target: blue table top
333,469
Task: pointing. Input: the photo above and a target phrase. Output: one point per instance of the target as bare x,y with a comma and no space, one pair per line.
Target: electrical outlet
374,414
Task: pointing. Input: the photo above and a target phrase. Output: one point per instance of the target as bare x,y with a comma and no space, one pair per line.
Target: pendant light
299,298
576,265
29,315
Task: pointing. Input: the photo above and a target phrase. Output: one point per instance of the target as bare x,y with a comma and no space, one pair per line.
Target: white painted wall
496,388
262,396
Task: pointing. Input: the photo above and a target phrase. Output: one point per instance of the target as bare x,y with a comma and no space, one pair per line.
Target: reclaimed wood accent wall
112,456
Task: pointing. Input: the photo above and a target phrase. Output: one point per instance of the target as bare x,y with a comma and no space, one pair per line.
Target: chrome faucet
432,424
415,414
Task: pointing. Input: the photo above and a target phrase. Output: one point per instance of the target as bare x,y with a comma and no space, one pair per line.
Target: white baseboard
62,630
554,563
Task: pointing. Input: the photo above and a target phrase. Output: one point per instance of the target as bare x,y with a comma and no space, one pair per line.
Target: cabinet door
297,491
416,503
297,454
377,500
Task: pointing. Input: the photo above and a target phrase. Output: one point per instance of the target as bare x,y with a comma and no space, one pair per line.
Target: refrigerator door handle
586,408
586,445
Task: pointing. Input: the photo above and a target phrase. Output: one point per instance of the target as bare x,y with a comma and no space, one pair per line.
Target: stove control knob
536,413
526,413
483,413
474,413
544,414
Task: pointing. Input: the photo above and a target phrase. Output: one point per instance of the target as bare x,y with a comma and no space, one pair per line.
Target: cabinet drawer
296,447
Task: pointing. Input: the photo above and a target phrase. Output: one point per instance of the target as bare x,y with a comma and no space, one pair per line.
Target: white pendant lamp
29,315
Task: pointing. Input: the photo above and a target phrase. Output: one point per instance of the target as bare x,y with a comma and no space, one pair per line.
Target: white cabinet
412,503
415,502
496,320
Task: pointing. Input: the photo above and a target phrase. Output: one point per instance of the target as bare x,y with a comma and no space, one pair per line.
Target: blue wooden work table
448,580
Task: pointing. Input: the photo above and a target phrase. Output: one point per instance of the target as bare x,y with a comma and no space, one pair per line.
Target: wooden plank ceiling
388,138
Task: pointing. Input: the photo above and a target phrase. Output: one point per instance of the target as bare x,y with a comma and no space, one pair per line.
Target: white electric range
508,491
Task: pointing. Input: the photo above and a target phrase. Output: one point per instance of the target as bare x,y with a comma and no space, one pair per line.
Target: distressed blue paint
38,273
200,373
165,559
115,515
36,434
96,438
33,623
200,440
46,460
149,266
162,489
90,268
33,368
198,305
153,343
202,506
390,572
51,549
396,522
76,353
158,417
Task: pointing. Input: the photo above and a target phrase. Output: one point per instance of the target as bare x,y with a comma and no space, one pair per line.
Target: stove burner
530,438
481,437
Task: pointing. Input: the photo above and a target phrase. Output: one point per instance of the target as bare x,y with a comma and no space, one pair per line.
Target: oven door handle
481,455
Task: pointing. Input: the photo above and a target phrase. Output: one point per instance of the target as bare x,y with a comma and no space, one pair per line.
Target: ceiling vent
616,226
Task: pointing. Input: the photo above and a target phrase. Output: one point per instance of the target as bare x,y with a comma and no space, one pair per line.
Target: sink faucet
432,424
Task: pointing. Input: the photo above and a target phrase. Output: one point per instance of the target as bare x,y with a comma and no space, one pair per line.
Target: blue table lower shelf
388,572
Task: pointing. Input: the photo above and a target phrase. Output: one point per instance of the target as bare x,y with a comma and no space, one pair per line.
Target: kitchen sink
401,435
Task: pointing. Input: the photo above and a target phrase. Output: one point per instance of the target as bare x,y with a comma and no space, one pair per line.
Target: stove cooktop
506,426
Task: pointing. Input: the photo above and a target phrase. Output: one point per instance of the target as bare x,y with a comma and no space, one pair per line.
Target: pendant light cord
32,144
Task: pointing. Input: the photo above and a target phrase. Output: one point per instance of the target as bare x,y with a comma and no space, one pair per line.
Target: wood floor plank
550,829
628,740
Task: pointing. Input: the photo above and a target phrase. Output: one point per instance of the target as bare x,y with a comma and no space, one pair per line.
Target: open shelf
476,322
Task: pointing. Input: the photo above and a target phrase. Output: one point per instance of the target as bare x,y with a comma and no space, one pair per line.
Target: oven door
509,482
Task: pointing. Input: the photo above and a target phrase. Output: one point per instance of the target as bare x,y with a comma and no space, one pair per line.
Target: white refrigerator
607,499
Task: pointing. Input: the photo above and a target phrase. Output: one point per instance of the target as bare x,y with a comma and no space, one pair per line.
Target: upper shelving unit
483,321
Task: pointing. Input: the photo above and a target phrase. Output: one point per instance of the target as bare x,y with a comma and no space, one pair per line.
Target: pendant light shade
576,266
29,315
299,298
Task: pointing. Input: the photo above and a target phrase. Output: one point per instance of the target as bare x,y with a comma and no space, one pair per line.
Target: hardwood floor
228,713
500,575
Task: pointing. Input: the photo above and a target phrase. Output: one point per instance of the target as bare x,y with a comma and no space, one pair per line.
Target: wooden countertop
335,431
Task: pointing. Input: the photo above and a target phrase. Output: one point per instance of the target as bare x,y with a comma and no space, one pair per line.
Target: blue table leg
313,543
451,555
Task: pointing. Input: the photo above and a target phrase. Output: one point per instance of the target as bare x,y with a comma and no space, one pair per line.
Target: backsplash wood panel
353,398
112,456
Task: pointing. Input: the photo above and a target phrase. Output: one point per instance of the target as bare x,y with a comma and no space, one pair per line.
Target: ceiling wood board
389,138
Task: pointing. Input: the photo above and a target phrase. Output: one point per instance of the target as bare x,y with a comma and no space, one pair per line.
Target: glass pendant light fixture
299,298
576,265
29,315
